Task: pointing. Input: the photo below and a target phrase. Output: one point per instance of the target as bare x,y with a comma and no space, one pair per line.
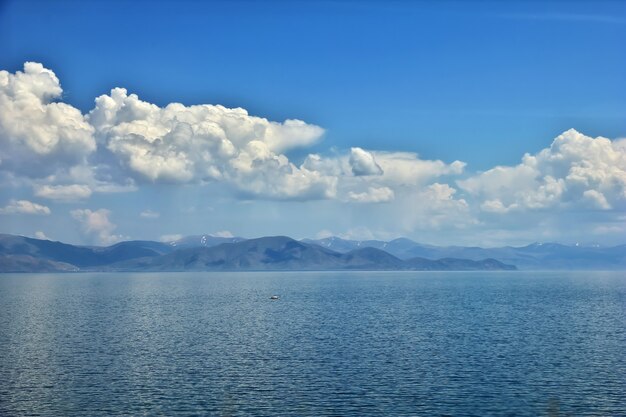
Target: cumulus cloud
363,163
390,168
37,134
24,207
201,143
124,141
63,192
43,138
149,214
620,144
100,177
440,201
496,206
97,225
597,199
367,176
575,171
406,168
372,195
204,143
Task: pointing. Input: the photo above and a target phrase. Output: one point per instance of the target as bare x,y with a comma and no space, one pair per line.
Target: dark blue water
358,344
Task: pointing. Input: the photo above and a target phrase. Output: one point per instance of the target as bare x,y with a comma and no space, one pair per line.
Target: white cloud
37,134
439,200
323,234
71,192
611,229
390,168
576,170
406,168
277,178
224,130
363,163
222,233
40,137
97,226
170,238
357,233
372,195
24,207
99,177
194,144
496,206
41,235
597,199
334,166
366,176
149,214
201,143
433,207
125,143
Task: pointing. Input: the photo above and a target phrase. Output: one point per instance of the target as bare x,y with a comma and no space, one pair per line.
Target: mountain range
208,253
199,253
536,256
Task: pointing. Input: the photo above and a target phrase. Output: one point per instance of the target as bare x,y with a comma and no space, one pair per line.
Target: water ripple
349,344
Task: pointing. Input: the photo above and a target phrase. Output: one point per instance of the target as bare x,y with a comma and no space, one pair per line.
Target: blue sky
482,83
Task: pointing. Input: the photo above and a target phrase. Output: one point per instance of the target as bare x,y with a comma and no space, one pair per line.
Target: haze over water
334,344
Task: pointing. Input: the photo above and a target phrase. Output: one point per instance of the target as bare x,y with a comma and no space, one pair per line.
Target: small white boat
274,297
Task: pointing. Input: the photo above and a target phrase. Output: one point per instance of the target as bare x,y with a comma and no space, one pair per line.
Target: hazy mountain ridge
206,240
206,252
22,254
284,253
79,256
533,256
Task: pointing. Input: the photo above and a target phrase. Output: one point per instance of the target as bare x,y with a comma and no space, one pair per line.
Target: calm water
335,344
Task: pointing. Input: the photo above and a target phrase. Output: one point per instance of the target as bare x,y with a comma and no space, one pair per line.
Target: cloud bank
24,207
63,192
575,172
124,140
125,144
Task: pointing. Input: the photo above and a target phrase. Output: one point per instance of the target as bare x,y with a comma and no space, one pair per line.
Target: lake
335,343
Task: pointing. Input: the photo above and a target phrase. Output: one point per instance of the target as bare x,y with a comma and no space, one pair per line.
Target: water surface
353,344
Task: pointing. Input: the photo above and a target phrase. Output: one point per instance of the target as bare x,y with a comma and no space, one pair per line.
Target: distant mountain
535,256
203,241
454,264
284,253
258,254
27,263
402,248
74,256
206,252
22,254
338,244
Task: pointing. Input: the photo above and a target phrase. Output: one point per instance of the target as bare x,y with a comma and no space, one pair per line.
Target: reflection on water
333,344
